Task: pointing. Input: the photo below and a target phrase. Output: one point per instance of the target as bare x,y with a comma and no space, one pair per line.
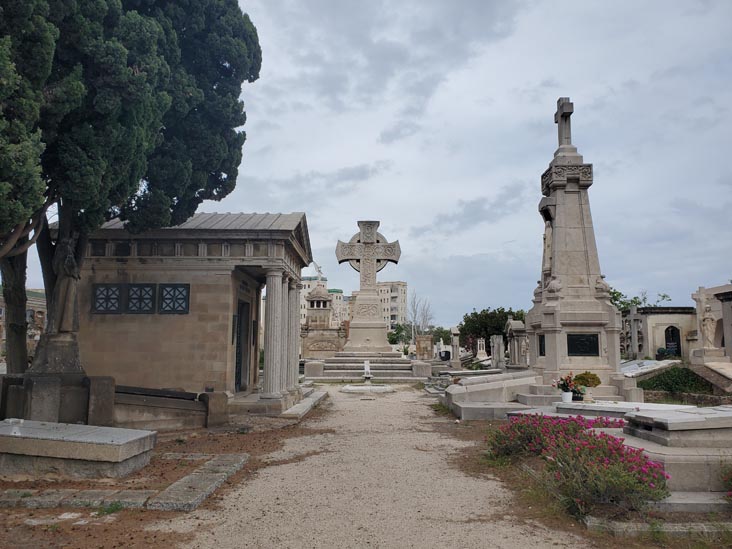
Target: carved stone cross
565,108
368,252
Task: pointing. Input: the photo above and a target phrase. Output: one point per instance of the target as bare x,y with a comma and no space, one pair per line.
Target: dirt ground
361,471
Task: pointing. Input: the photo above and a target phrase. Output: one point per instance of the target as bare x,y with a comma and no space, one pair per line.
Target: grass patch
440,409
110,509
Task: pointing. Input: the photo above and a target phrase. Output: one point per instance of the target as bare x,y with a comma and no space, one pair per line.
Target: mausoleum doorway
673,340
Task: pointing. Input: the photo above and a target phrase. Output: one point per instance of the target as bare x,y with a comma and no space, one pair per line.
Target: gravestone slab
74,450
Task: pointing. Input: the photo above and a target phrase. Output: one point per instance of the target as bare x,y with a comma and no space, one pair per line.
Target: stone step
393,372
602,390
307,391
367,356
692,502
359,379
374,368
372,362
538,400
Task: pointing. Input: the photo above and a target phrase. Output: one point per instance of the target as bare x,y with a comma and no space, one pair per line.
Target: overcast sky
436,118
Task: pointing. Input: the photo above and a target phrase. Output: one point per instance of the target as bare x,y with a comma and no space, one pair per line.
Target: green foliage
441,334
727,481
485,324
212,49
398,335
110,509
624,303
677,380
26,52
587,379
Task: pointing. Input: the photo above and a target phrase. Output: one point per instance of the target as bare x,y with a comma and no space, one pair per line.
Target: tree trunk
13,270
58,348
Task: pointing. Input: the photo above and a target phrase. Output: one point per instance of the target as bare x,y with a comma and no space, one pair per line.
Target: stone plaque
583,345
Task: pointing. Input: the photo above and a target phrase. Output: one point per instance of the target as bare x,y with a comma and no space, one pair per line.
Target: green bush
677,380
587,379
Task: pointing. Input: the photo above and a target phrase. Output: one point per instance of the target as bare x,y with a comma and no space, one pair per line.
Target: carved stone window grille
107,298
141,298
174,298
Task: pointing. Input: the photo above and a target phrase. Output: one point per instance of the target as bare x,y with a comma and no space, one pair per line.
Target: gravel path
381,480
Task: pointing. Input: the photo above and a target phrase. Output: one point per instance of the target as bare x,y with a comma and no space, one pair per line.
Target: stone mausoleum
178,307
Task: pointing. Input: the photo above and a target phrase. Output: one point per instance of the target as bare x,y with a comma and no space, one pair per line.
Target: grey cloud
399,130
482,209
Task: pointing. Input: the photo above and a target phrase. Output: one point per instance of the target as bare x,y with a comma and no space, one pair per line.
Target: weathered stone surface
187,493
217,411
421,369
690,418
129,499
63,440
11,498
42,398
46,499
14,464
101,400
88,498
314,369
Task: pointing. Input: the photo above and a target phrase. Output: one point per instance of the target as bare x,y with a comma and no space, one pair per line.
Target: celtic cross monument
368,252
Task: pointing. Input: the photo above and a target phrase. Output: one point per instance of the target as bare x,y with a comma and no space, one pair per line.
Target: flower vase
567,396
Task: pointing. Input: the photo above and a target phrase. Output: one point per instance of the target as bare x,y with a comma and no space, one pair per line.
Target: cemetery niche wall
177,308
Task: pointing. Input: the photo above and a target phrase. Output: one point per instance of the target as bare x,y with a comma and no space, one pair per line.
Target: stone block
129,499
88,498
42,398
421,369
314,369
8,405
74,402
13,497
187,493
101,400
47,499
217,408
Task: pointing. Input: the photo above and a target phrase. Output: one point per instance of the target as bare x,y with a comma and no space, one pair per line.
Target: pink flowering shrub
583,467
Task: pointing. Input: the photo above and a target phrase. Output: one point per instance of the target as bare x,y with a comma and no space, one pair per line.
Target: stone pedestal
455,348
424,347
368,252
572,325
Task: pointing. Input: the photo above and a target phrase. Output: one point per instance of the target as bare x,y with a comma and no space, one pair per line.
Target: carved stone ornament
367,310
323,346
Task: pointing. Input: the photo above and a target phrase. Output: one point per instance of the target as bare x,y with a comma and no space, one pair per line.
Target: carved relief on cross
368,252
565,108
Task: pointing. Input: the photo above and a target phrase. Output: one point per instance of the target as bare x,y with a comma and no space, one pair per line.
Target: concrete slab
485,410
13,497
47,499
615,409
187,493
302,408
88,498
68,441
129,499
717,417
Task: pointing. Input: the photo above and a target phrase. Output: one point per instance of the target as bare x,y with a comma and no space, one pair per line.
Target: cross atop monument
368,252
565,108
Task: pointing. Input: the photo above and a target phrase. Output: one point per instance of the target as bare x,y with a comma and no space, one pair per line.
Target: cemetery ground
360,471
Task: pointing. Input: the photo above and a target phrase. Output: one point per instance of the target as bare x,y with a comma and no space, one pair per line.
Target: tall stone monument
572,325
368,252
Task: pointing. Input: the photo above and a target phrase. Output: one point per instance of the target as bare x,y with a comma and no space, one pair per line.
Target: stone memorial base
705,356
694,445
77,451
367,388
65,398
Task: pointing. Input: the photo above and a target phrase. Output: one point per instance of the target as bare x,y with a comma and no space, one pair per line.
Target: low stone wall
695,399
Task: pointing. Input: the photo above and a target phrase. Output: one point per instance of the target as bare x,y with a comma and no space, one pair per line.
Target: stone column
285,331
294,295
273,336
